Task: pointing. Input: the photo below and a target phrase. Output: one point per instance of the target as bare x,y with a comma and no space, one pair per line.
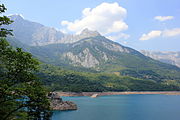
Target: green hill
125,70
91,60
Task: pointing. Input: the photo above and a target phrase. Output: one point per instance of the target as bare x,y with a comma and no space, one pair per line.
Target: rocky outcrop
85,59
58,104
86,33
32,33
64,105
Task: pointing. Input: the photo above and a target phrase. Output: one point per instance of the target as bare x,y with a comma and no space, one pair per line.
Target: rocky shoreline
116,93
57,103
64,106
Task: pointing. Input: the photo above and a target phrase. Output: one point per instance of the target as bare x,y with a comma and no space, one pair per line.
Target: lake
123,107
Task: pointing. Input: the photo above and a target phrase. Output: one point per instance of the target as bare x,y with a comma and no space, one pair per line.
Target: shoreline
74,94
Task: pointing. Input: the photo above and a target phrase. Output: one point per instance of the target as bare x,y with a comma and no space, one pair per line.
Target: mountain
94,56
32,33
103,55
164,56
35,34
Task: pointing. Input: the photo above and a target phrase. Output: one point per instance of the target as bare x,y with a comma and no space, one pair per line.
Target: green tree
21,95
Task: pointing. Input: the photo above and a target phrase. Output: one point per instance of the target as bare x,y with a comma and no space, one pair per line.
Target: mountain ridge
90,51
36,34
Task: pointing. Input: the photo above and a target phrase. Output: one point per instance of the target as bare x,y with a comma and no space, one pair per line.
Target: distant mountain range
164,56
35,34
89,51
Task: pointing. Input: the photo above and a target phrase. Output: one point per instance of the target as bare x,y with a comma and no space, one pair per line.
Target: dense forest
58,79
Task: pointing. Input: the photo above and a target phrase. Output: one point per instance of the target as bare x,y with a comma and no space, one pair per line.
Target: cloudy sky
140,24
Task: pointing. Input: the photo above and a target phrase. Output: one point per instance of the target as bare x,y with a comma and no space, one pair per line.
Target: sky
139,24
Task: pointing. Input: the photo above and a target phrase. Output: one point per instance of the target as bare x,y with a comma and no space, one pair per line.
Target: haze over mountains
35,34
164,56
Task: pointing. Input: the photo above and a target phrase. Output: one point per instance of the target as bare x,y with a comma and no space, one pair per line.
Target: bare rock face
45,36
85,59
88,33
74,38
64,105
58,104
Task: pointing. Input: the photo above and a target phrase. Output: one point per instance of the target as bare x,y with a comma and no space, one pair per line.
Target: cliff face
58,104
33,33
85,59
92,52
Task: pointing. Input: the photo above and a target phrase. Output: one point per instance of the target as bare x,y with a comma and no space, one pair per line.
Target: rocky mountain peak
16,17
89,33
36,34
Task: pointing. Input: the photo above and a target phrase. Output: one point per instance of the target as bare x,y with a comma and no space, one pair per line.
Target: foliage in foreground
21,95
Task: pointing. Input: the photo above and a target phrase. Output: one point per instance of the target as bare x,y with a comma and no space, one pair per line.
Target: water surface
123,107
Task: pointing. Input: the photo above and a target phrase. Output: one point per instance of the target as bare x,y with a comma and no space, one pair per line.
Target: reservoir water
123,107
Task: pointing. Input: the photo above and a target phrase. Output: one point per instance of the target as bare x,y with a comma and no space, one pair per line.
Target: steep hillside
57,78
36,34
103,55
100,54
33,33
92,53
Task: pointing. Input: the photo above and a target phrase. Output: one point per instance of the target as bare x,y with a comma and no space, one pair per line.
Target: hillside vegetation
65,80
90,62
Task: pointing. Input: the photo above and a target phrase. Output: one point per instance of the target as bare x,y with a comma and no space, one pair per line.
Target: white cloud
106,18
151,35
171,32
163,18
164,33
119,36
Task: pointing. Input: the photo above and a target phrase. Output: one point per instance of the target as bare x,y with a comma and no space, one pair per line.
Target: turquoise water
123,107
